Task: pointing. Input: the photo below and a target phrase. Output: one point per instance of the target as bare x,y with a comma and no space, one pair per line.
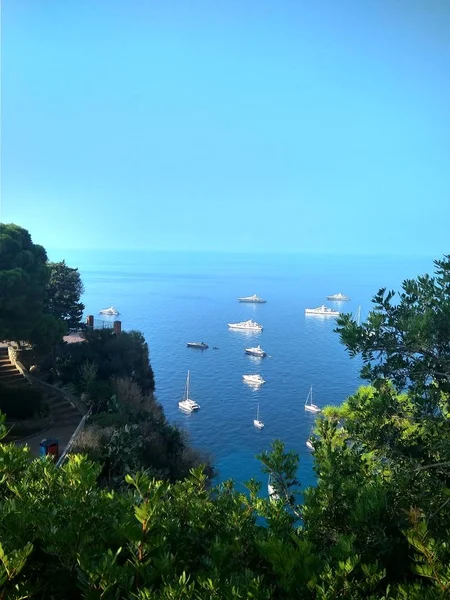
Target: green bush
20,401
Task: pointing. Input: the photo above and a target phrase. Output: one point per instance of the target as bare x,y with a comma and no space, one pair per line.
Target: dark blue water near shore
175,298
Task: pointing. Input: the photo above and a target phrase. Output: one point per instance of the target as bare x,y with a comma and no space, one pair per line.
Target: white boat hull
309,445
313,311
258,424
242,328
272,493
253,380
188,406
312,408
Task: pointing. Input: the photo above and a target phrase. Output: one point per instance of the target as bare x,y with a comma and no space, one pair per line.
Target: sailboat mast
187,384
257,413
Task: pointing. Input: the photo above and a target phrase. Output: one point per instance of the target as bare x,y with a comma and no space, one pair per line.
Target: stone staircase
9,375
64,416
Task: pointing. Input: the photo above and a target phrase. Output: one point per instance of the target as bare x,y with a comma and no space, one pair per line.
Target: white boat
187,404
339,297
253,299
253,379
271,491
110,311
256,422
309,405
322,310
309,441
256,351
199,345
249,325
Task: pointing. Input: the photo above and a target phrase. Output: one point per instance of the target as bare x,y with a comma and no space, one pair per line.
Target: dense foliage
63,293
20,401
64,537
132,433
23,279
406,338
124,355
38,300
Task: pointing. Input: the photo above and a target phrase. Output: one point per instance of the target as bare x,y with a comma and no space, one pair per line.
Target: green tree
406,337
383,458
64,537
23,279
124,355
64,290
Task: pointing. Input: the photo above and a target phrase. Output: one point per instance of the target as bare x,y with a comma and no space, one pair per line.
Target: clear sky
237,125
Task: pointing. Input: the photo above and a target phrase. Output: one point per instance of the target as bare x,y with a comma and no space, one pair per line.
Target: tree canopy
124,355
64,290
23,279
66,538
406,337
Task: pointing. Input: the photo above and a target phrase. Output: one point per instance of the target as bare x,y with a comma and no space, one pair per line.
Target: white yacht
249,325
110,311
253,299
199,345
256,422
257,351
253,379
322,310
309,405
188,405
339,297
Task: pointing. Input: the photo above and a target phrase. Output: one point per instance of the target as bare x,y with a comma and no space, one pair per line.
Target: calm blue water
175,298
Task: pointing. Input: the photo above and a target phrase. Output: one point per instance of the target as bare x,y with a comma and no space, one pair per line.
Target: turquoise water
175,298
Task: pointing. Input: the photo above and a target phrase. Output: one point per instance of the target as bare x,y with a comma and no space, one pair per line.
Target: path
64,415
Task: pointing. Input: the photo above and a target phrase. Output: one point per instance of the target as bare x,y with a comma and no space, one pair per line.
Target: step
64,412
12,377
8,369
54,404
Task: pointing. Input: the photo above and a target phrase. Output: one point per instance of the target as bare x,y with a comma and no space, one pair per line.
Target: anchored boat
249,325
253,379
322,310
256,422
256,351
253,299
187,404
200,345
110,311
309,405
339,297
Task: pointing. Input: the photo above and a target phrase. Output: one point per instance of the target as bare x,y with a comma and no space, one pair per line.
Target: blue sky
228,125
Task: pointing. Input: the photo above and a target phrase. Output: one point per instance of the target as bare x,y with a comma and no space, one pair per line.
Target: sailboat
358,315
309,405
188,405
309,441
256,422
271,490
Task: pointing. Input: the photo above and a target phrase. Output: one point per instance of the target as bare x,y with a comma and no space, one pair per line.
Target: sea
174,298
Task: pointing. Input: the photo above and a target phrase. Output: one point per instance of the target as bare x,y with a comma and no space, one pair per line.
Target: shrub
20,401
